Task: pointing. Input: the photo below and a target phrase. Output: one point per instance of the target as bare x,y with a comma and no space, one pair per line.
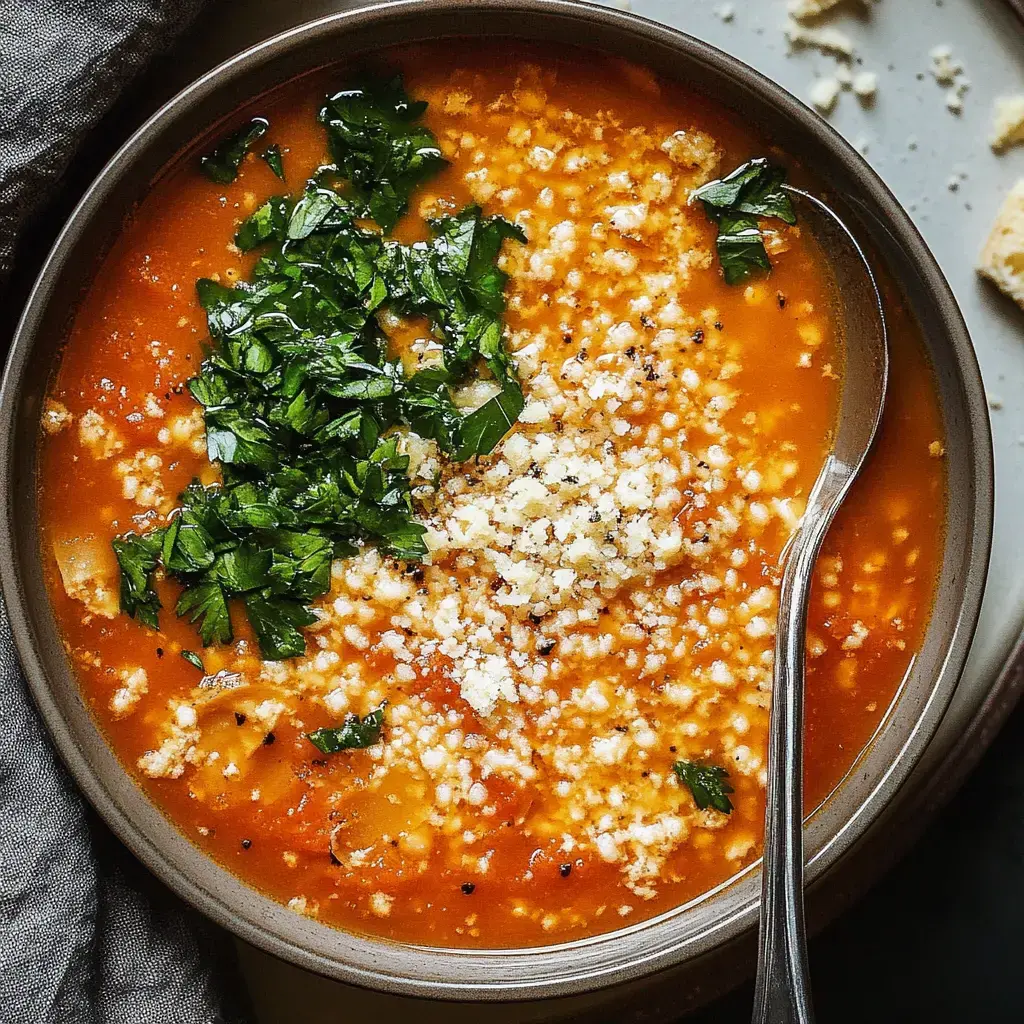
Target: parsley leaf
137,557
272,156
221,165
278,623
193,659
378,146
708,784
207,602
354,733
486,426
735,203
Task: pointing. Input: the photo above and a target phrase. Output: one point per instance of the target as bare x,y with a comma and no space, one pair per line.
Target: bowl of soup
401,446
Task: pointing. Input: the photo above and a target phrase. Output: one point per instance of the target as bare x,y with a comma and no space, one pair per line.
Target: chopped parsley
193,659
272,157
378,146
707,782
736,202
301,398
354,733
222,164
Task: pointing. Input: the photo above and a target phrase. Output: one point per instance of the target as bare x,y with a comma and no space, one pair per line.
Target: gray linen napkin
87,936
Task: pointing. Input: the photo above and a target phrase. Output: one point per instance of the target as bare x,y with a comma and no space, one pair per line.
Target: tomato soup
552,722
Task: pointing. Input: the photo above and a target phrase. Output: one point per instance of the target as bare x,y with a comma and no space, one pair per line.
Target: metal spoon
782,992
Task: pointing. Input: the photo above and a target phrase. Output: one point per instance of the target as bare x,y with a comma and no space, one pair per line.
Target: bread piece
1002,259
811,8
1007,123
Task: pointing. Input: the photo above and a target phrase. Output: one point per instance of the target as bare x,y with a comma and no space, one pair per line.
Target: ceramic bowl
607,970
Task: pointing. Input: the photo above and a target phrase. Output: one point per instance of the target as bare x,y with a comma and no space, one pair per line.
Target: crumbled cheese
824,94
134,685
865,85
97,435
55,416
827,39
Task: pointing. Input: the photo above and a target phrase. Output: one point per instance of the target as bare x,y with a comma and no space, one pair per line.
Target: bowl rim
566,968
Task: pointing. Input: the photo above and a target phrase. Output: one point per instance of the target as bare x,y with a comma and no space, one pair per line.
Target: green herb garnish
137,557
193,659
272,156
378,146
302,403
708,784
354,733
735,203
222,164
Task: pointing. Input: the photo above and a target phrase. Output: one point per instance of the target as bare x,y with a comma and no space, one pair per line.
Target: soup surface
575,680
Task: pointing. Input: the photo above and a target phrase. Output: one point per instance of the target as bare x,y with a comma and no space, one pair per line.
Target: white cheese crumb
810,8
824,94
827,39
865,86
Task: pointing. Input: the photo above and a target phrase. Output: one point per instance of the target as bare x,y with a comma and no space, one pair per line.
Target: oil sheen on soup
572,683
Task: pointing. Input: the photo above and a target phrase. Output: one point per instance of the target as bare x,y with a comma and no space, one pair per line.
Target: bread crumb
1007,123
827,39
802,9
949,73
936,450
1002,258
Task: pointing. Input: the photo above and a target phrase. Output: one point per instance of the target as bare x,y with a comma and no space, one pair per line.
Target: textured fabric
62,63
87,936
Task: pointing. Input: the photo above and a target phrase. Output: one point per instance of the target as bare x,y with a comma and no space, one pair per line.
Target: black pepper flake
698,336
159,652
703,464
570,479
622,728
781,300
594,517
718,325
566,339
646,321
631,352
536,619
581,356
269,739
239,718
468,888
671,750
320,762
651,375
565,870
545,646
246,843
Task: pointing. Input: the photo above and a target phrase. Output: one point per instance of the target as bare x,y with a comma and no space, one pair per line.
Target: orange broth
139,331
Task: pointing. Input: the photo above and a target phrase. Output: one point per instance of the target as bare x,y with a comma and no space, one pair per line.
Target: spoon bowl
782,991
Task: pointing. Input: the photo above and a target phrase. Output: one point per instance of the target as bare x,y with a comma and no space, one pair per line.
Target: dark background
941,937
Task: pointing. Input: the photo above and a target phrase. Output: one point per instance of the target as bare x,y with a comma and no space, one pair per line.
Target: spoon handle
782,992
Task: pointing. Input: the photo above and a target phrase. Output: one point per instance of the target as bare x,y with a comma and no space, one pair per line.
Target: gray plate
708,927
